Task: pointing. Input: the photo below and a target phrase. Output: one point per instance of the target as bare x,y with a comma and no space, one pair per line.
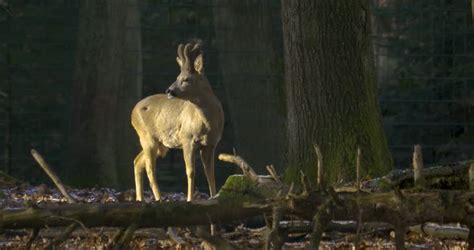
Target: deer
187,116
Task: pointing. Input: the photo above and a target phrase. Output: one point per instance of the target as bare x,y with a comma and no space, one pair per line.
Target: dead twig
290,191
396,177
470,237
319,168
171,232
400,233
126,236
71,219
305,184
40,160
320,222
441,231
335,197
418,167
271,170
275,237
62,237
237,160
33,236
216,241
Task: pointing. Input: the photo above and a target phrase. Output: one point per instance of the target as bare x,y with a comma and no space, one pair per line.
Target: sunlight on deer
189,117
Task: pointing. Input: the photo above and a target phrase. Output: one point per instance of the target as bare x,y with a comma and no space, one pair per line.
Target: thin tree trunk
331,90
251,71
107,84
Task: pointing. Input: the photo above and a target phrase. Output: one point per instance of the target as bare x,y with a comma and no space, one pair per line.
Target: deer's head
191,80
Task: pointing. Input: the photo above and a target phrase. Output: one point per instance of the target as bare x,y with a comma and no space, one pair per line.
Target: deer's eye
184,82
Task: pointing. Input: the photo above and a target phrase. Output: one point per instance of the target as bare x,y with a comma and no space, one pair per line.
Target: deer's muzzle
170,93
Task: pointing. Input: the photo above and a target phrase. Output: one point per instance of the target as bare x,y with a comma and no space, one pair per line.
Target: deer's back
171,122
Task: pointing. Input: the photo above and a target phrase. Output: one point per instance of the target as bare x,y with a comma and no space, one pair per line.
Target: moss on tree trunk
331,89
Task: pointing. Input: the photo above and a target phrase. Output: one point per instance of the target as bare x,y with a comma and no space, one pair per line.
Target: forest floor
240,234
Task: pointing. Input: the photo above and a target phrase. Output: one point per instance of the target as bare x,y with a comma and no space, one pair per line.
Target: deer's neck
207,104
209,109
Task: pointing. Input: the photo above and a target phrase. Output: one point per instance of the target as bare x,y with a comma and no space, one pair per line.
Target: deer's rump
167,121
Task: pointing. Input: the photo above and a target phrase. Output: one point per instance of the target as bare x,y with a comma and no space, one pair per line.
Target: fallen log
244,196
398,177
412,208
238,199
441,231
408,206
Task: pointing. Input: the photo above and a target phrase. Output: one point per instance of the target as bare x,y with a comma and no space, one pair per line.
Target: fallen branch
171,233
34,234
418,176
63,236
241,198
275,237
40,160
247,170
125,236
216,241
396,177
298,226
319,168
122,214
271,170
109,232
440,206
441,231
245,196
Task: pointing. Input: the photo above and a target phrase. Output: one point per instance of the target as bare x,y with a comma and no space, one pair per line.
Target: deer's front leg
207,158
189,159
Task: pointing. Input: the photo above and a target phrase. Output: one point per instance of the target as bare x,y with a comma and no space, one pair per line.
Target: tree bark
250,75
331,90
107,84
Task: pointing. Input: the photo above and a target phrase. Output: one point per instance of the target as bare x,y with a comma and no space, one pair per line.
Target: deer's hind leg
139,166
159,150
146,160
207,158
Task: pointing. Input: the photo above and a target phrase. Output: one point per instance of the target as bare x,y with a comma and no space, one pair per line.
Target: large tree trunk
107,84
250,71
331,90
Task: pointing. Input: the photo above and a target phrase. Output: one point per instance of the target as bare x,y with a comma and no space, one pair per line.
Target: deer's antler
188,53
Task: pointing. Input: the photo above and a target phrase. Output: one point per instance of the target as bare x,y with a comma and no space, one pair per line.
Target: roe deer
189,116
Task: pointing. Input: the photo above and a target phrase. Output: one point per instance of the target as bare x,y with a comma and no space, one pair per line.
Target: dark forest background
423,54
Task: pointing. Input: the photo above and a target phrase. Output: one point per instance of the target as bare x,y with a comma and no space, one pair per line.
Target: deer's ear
199,64
180,63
